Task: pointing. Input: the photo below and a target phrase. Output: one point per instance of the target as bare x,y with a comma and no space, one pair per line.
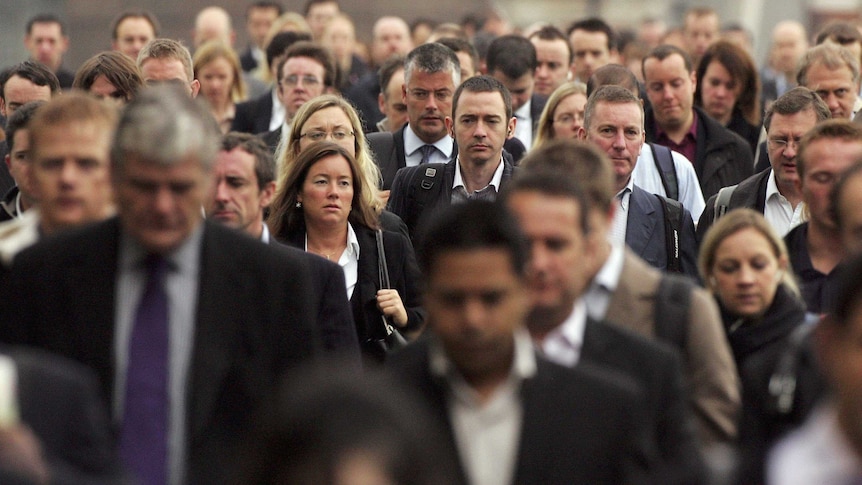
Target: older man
187,324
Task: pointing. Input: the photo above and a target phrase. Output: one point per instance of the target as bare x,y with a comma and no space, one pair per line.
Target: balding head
391,35
213,23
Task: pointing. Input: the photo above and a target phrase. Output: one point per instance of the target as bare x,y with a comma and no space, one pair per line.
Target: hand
390,304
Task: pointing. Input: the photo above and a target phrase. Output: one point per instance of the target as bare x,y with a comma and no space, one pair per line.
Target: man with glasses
774,191
306,71
431,74
168,61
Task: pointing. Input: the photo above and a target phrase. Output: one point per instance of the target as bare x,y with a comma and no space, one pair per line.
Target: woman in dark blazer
320,208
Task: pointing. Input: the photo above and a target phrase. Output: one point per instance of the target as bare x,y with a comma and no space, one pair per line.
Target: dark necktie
144,435
427,152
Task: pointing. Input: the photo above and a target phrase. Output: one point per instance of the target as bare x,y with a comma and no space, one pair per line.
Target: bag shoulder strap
672,303
673,214
663,159
382,267
722,201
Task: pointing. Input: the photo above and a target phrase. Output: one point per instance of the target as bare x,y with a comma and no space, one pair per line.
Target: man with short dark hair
19,198
390,99
511,59
46,41
468,58
431,74
700,28
815,246
594,44
132,30
259,17
481,122
20,84
243,184
318,13
553,56
513,416
306,71
720,157
774,192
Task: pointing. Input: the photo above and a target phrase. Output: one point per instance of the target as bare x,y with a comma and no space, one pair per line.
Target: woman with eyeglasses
322,206
563,114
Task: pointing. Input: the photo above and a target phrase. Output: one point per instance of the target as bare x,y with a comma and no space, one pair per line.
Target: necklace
328,256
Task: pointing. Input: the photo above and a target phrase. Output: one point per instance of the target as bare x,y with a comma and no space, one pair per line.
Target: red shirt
687,147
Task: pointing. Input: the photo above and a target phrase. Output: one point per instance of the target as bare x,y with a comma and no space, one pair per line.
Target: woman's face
720,92
330,121
746,273
569,116
216,78
327,191
104,89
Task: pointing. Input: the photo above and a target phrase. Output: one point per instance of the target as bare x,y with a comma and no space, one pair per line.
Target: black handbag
392,338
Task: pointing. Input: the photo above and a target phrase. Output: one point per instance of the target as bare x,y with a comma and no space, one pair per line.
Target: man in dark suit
431,74
613,121
259,17
552,210
481,121
551,424
512,60
187,324
720,157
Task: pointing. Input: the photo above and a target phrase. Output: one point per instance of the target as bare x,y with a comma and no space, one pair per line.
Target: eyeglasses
307,81
321,135
783,143
569,118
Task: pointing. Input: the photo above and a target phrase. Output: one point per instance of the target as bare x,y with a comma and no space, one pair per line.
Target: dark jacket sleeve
688,246
405,278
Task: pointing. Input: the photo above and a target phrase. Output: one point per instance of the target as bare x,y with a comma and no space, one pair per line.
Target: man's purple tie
144,435
427,152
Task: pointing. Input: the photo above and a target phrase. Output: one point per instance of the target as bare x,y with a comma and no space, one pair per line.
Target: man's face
258,23
392,102
47,44
617,128
475,301
850,212
167,70
160,206
700,32
480,127
468,69
825,160
785,131
835,86
390,37
19,91
428,97
553,66
788,46
70,174
236,199
520,88
590,53
319,15
301,79
670,88
17,160
558,250
133,33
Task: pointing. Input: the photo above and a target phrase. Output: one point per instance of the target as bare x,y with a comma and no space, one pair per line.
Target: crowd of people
459,254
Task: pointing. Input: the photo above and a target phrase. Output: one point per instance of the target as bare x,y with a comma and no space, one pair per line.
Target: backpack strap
663,159
673,214
672,303
722,202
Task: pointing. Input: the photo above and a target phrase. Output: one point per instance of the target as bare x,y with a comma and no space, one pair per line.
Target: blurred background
89,21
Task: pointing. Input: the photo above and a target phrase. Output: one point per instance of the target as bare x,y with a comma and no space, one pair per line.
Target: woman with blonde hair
746,266
218,69
563,114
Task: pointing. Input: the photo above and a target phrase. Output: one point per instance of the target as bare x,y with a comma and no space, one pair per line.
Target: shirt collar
183,259
563,344
772,186
264,235
495,180
608,276
523,113
352,242
523,363
412,142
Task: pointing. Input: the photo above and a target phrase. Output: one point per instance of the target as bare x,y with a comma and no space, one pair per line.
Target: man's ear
513,122
450,126
267,194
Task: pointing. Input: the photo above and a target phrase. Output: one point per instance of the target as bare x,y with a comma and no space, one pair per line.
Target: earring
298,205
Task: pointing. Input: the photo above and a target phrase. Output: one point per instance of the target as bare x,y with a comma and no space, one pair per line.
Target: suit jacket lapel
400,154
640,223
632,302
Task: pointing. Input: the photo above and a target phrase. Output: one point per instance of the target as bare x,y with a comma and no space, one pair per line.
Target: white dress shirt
278,111
349,260
646,176
524,125
563,344
413,148
617,232
778,210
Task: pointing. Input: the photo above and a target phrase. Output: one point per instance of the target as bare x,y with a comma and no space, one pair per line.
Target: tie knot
427,152
155,265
